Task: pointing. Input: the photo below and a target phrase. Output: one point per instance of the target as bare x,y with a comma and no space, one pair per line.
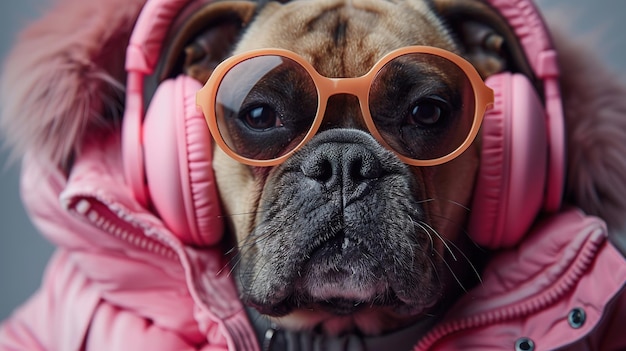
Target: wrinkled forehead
344,38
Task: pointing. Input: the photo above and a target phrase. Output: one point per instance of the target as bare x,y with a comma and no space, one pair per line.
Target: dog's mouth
343,276
344,286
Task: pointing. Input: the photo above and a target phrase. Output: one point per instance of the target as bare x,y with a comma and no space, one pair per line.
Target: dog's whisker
451,271
252,240
234,255
242,249
462,229
472,266
419,202
234,266
443,241
233,262
241,214
458,204
226,265
432,241
449,245
456,223
230,251
435,269
446,200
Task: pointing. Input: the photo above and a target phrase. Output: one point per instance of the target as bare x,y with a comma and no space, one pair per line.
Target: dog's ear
202,37
486,39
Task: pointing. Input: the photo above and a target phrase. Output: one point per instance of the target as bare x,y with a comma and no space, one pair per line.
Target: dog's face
344,236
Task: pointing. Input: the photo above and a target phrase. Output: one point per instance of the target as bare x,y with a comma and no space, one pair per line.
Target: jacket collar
564,256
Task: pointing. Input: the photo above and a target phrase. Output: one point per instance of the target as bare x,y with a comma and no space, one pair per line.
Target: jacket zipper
116,221
103,218
549,296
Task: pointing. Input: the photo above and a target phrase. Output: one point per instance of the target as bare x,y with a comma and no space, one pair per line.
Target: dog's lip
339,306
342,306
340,298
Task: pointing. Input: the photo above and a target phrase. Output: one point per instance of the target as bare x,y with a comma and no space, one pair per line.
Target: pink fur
594,100
65,76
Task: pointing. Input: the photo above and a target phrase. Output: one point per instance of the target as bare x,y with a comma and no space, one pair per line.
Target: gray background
23,252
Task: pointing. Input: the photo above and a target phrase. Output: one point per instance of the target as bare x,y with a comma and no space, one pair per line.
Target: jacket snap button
524,344
576,318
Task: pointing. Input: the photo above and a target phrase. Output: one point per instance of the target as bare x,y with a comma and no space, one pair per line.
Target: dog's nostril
318,168
364,165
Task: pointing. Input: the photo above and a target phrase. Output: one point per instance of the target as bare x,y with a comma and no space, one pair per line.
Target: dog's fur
344,252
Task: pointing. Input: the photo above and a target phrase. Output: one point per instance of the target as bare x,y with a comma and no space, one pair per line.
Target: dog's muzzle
339,228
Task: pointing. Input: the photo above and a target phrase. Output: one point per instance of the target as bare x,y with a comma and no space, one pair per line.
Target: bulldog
349,217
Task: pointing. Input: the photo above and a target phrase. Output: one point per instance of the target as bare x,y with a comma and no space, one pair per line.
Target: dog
343,236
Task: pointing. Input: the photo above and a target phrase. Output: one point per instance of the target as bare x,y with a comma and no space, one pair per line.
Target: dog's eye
428,111
261,118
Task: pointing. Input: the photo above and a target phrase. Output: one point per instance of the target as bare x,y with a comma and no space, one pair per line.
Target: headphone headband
149,34
532,33
530,29
522,15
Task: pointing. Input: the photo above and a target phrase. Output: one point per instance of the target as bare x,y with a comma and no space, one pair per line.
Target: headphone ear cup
178,163
510,186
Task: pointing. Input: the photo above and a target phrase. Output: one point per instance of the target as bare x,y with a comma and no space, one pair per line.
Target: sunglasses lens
423,105
264,106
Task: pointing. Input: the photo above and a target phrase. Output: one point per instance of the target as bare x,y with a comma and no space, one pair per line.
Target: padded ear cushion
510,185
178,163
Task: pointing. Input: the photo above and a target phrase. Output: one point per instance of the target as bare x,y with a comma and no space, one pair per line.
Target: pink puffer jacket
121,281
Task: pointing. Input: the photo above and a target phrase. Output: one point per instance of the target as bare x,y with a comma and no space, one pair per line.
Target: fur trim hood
64,77
594,107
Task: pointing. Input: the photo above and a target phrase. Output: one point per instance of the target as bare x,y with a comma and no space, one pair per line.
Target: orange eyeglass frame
358,86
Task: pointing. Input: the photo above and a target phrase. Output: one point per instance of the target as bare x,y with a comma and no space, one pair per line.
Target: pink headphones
167,150
523,152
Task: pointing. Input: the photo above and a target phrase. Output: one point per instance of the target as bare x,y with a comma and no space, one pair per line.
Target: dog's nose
342,161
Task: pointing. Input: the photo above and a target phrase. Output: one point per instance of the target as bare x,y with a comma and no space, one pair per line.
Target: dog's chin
343,300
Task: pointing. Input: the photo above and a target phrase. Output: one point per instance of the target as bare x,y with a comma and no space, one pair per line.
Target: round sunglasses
424,103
